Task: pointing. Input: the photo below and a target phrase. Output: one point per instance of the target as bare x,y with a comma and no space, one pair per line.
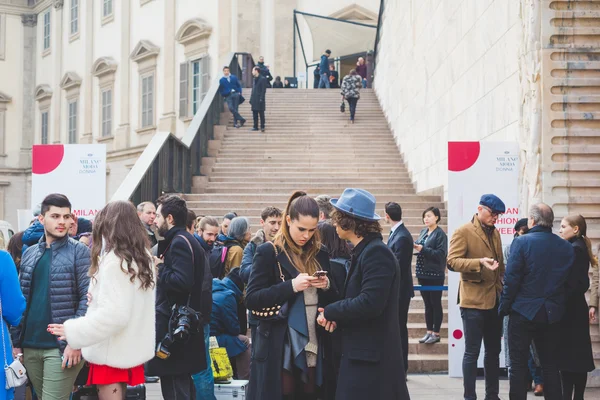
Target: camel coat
479,286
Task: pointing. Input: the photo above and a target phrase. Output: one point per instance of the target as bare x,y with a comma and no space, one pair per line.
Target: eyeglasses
494,214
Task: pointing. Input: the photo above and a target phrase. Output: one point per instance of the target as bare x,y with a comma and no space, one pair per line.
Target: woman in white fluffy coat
116,336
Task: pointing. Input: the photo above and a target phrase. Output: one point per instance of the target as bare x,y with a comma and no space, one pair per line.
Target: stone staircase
309,145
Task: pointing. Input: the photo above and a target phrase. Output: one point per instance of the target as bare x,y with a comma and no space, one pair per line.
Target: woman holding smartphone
432,248
288,352
116,335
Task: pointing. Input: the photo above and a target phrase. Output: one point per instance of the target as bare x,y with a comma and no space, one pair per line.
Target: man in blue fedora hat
476,253
372,364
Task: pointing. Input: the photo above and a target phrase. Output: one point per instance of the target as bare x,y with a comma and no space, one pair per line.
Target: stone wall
448,70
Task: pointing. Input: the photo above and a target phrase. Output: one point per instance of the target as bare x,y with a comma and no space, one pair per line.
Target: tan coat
479,286
234,258
594,301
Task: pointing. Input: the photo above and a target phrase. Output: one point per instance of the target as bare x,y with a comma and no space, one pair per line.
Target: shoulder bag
16,375
278,312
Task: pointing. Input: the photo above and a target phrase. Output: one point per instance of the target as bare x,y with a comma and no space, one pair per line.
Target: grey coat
69,281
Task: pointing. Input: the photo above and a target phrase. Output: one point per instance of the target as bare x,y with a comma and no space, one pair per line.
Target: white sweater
118,329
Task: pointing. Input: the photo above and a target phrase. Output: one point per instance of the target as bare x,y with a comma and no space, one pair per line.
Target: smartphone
63,359
320,274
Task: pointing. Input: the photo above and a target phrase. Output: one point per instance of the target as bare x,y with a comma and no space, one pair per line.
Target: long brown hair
303,258
124,234
579,221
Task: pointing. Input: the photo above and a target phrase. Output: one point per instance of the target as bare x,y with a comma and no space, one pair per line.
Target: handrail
168,163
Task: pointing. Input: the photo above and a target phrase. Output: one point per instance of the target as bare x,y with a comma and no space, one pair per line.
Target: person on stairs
351,91
432,250
401,242
231,90
324,70
258,99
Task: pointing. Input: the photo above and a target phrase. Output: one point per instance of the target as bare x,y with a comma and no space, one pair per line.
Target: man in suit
534,295
476,253
258,99
368,314
231,90
401,243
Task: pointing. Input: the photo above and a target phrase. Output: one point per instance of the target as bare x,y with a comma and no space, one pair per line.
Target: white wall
448,70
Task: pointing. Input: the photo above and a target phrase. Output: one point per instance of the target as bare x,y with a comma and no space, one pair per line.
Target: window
107,113
147,101
107,8
196,89
74,16
47,30
45,127
73,122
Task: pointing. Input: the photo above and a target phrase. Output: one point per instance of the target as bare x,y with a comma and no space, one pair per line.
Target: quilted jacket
68,281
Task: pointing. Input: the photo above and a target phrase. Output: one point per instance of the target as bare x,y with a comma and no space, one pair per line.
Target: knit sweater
118,329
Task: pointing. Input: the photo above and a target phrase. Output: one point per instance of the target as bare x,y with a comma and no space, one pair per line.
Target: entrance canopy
343,38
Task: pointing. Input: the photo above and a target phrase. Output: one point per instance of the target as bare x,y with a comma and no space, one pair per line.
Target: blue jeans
324,82
364,83
204,381
233,102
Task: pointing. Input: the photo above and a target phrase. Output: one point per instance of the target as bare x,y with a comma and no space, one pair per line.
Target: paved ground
426,387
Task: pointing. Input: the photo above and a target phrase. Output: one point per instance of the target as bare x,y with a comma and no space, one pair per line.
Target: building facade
116,72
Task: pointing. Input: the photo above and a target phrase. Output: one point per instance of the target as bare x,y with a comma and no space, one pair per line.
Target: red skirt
105,375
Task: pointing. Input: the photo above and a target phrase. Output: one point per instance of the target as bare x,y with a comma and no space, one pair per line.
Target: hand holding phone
320,274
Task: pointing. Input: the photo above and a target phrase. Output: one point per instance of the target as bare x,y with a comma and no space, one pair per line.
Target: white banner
76,170
474,169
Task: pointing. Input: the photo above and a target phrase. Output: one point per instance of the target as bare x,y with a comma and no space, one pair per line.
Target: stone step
418,330
416,348
283,197
427,363
417,316
416,302
234,203
267,180
251,187
409,215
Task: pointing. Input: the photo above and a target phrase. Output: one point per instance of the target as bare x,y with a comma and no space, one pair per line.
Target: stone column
283,65
57,49
122,134
169,117
28,118
88,78
267,34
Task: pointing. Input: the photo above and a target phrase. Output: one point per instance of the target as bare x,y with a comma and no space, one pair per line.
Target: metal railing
168,163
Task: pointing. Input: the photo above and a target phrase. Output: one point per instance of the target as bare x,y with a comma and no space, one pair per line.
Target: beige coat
594,301
479,286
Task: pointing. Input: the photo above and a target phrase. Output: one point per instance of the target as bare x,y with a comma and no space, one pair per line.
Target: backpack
218,257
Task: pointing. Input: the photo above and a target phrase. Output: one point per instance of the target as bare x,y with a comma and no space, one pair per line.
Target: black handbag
343,107
278,312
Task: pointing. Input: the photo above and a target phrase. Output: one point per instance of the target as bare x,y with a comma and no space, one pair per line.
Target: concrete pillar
28,118
267,34
56,132
88,78
122,135
169,118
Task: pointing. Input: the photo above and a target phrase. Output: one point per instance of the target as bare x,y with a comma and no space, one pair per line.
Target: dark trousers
233,102
255,115
481,325
404,306
573,384
535,372
547,339
352,101
178,387
434,312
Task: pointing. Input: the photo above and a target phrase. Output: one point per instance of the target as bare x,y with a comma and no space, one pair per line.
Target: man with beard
55,283
270,220
147,213
181,273
476,252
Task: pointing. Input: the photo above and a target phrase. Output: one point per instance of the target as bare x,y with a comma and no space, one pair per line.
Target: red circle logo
46,158
457,334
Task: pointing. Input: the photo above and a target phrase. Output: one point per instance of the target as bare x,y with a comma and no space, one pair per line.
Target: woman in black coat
287,360
576,358
432,251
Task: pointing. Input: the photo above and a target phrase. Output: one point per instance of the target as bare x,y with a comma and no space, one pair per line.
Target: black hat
234,276
522,223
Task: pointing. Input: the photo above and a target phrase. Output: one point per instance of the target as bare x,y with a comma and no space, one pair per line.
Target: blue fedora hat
357,202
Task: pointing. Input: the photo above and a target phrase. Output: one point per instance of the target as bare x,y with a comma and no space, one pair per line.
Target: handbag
16,375
278,312
343,107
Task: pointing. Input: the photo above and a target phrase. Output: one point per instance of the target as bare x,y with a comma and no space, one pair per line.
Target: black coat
575,352
265,289
401,244
371,365
435,254
176,279
259,92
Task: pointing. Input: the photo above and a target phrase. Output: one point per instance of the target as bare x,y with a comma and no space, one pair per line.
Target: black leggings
352,101
434,313
573,382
